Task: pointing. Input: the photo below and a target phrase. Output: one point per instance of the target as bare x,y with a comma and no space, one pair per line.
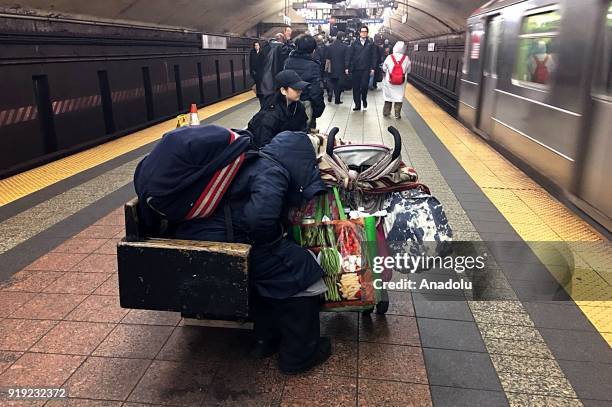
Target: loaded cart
345,229
373,179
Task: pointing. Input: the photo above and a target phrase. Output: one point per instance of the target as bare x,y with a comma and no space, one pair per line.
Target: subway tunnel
496,153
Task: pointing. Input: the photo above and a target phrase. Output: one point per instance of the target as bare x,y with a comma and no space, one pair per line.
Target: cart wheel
382,307
367,312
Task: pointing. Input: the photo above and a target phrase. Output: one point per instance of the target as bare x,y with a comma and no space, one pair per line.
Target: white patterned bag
416,224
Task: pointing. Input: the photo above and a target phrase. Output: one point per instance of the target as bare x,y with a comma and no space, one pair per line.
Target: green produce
331,235
332,293
330,261
310,236
320,236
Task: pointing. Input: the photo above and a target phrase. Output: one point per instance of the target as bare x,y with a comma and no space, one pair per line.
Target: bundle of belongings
375,207
373,179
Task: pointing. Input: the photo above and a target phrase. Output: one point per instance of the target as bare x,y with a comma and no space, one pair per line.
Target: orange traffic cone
194,120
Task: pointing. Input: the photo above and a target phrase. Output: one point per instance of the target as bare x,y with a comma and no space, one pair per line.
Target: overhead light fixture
404,18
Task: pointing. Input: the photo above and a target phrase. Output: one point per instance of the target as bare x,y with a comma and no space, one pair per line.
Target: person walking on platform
273,59
337,55
255,67
395,68
282,112
320,50
387,48
303,62
361,62
287,33
377,77
320,55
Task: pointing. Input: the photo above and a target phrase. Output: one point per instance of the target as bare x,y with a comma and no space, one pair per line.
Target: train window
603,82
494,35
466,50
536,60
471,56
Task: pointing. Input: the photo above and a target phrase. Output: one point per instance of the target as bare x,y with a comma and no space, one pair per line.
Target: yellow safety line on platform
27,182
532,212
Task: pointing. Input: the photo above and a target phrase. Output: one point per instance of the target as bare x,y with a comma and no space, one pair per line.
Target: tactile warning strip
25,183
530,210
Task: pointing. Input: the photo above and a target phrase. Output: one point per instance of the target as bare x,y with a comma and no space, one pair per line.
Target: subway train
536,82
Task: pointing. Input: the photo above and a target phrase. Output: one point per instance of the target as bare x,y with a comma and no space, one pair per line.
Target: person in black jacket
287,33
285,278
378,69
281,111
255,67
303,63
337,54
319,52
273,59
320,55
361,62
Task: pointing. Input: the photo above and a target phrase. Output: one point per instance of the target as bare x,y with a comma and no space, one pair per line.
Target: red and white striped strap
216,188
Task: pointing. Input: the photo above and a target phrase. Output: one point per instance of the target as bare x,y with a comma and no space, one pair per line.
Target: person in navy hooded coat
284,276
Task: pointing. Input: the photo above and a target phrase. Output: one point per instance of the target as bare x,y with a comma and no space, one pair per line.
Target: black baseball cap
290,79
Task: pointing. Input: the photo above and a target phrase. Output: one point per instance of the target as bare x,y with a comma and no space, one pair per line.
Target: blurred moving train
537,83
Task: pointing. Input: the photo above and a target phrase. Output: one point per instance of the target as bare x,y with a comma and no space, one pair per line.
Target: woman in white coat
394,94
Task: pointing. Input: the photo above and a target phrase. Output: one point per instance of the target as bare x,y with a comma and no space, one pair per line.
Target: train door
471,72
595,184
488,83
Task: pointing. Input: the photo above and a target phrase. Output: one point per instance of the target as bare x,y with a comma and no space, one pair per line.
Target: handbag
346,82
379,73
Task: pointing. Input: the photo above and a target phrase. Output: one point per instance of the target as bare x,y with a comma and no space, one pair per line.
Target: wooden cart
207,281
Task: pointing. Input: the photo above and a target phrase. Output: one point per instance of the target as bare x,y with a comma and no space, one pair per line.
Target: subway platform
61,325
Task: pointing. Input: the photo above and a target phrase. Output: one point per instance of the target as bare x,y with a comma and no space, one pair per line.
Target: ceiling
425,17
429,18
